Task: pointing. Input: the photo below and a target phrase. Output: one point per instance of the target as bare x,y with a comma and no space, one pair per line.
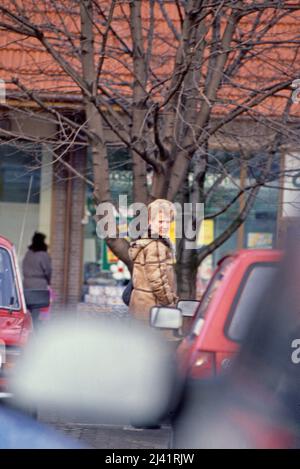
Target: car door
11,306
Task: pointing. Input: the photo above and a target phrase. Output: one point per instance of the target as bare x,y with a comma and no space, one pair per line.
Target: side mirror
36,299
188,307
165,317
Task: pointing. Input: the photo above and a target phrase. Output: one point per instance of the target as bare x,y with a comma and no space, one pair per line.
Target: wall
67,231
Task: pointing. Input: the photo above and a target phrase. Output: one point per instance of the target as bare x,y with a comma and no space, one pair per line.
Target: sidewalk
93,310
115,437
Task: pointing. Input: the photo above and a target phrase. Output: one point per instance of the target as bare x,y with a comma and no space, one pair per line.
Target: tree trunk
139,107
159,187
97,142
186,276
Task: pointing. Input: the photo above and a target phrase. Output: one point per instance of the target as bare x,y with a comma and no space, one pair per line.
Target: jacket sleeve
45,263
156,271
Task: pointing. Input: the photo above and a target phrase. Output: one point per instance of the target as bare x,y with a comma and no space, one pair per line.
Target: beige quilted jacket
153,276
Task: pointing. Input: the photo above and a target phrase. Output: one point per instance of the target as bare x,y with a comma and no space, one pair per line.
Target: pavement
87,430
102,436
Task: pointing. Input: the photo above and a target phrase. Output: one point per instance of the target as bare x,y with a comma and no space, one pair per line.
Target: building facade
40,193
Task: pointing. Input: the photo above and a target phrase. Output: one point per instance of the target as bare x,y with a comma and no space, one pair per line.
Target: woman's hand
175,300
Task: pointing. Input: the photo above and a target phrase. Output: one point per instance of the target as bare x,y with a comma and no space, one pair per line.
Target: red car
223,314
15,319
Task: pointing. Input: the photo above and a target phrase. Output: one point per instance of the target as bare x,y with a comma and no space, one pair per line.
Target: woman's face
161,224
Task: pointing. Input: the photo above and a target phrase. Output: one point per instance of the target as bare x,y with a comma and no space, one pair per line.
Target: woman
153,275
37,264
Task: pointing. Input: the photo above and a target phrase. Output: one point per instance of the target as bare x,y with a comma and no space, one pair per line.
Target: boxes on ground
104,295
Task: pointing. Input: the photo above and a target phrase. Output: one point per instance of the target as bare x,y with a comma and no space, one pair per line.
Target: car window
255,283
8,291
212,288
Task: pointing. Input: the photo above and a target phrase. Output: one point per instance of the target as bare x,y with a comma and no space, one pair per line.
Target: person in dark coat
37,264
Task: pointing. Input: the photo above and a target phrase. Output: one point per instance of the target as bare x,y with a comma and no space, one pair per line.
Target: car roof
5,242
254,254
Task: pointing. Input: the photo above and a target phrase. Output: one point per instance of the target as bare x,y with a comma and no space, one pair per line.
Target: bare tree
171,80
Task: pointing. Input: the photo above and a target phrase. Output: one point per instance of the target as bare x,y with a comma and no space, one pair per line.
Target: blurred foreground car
221,318
256,403
15,320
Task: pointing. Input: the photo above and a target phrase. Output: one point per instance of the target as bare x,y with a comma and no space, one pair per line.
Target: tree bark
139,107
97,142
186,280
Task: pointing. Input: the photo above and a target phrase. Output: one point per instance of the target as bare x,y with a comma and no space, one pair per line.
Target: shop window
261,224
219,163
260,227
20,174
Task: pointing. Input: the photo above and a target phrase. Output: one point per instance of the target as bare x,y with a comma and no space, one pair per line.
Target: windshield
8,291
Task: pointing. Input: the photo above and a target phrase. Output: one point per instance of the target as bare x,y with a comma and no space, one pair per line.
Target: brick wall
76,230
67,231
57,243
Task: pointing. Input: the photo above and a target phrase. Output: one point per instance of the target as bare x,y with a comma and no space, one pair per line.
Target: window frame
15,279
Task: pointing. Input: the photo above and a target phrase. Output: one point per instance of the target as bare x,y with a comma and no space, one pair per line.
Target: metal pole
24,217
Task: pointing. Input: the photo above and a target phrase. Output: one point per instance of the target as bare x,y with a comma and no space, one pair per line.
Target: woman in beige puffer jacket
153,275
